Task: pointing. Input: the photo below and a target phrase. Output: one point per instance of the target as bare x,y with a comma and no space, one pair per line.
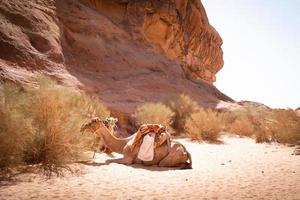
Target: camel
110,123
172,155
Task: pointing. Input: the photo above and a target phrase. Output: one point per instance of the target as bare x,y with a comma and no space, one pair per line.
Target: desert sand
237,169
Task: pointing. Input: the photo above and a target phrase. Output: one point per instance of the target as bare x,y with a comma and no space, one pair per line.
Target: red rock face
177,28
126,52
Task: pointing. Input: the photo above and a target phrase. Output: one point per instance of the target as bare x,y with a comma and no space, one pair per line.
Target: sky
261,45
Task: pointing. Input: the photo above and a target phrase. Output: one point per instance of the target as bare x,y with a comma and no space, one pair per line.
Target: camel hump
161,134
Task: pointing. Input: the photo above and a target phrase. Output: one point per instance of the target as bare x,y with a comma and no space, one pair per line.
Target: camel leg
176,157
169,161
124,161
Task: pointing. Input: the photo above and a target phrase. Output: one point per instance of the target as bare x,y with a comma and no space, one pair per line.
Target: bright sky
261,44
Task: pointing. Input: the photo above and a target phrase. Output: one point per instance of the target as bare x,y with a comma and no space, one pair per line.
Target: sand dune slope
238,169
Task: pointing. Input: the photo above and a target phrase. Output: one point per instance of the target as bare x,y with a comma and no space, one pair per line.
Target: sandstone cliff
178,28
126,51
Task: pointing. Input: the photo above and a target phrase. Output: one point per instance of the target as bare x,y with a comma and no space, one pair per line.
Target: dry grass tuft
156,113
183,106
204,125
15,129
42,125
284,126
238,122
266,125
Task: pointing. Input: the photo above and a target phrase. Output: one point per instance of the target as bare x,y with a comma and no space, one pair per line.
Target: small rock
296,152
186,179
222,163
291,145
262,172
229,160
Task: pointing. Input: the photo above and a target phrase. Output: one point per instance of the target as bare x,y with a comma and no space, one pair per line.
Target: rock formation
125,51
177,28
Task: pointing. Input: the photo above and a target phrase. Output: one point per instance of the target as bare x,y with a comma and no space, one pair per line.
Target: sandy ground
237,169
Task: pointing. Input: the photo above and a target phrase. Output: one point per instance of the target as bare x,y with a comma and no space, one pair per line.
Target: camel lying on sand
173,155
110,123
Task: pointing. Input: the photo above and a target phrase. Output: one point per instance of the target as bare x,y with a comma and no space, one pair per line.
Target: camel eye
95,120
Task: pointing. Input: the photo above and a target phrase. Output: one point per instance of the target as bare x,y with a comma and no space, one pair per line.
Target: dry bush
204,125
284,126
183,106
50,116
266,125
247,121
239,122
15,130
277,125
242,126
153,113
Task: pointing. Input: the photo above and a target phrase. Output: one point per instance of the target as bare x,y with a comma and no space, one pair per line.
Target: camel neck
115,144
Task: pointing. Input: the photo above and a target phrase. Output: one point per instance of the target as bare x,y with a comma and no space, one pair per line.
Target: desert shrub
58,114
48,120
238,121
266,125
156,113
183,107
284,126
242,126
204,125
15,130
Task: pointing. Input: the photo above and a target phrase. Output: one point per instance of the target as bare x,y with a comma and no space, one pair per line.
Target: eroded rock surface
126,52
178,28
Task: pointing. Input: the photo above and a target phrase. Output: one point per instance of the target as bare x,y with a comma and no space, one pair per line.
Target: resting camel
173,155
110,123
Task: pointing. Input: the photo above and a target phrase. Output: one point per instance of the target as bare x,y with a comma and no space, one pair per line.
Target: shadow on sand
136,166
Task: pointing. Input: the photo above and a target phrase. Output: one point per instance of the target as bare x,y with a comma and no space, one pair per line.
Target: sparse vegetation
42,125
15,130
265,125
283,126
238,122
153,113
183,106
204,125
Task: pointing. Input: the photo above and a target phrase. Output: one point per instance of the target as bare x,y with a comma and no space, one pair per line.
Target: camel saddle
161,135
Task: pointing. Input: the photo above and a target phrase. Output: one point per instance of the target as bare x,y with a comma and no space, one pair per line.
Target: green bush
153,113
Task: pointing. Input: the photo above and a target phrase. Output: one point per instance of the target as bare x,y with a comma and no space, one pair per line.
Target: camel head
110,122
92,126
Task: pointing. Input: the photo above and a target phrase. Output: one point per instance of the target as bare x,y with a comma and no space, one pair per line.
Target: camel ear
116,120
94,113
